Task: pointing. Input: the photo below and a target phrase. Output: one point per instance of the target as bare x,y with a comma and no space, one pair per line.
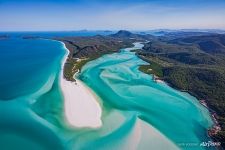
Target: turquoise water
137,112
29,70
117,80
27,63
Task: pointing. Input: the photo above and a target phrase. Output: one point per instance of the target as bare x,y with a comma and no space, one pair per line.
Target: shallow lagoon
176,115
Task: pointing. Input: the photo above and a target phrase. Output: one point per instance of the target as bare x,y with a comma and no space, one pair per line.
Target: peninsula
85,49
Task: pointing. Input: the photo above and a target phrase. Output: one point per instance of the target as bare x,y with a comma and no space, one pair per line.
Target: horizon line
104,30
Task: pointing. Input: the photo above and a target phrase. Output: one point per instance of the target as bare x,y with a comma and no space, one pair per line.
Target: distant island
189,61
4,37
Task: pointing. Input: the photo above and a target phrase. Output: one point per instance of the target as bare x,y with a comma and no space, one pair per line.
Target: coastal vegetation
153,68
85,49
194,64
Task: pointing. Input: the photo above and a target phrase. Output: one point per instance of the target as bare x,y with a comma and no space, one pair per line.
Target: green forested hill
195,64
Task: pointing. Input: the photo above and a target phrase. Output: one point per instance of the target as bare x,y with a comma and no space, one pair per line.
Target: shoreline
81,106
215,128
211,131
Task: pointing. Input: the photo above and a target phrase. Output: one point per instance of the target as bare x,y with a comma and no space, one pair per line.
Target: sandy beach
159,81
80,104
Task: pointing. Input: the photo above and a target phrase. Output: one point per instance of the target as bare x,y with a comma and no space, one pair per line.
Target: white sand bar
81,105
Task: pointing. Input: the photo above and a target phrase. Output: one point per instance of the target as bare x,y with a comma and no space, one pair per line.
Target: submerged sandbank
80,104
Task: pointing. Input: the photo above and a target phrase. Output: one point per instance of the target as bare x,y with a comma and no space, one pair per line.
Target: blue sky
46,15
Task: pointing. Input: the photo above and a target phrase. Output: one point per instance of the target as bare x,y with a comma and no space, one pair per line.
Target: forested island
3,37
189,61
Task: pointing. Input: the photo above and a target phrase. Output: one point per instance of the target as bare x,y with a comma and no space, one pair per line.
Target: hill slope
195,64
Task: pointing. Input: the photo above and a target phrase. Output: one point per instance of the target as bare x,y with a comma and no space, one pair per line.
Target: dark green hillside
84,49
195,64
213,44
123,34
